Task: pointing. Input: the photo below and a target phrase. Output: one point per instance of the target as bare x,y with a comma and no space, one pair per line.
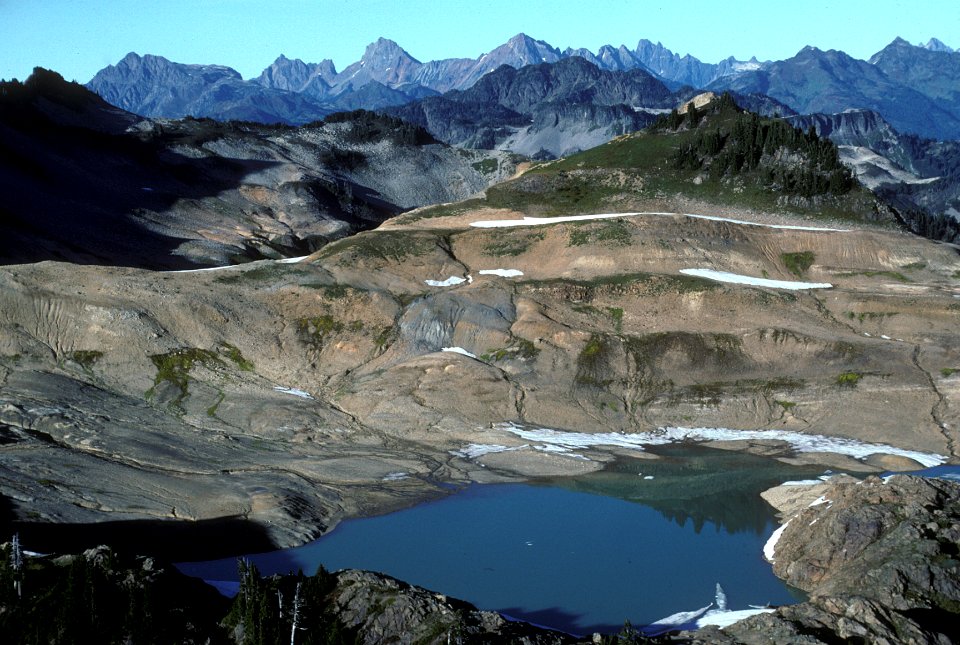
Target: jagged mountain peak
522,38
152,64
936,45
643,43
901,47
294,75
384,49
132,57
529,50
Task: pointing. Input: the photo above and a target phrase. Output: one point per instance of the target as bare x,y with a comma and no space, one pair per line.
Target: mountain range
545,110
913,86
915,89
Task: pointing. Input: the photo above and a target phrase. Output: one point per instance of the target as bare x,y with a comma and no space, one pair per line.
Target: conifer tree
16,564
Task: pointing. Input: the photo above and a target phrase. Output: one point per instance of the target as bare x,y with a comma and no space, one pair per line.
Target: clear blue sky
79,37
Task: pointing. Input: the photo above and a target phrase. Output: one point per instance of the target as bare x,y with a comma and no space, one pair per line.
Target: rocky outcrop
880,559
891,537
385,610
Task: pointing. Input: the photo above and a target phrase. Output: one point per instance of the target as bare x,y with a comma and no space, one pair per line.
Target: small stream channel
638,541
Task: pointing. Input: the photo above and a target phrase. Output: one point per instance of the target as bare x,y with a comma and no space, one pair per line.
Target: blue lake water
577,554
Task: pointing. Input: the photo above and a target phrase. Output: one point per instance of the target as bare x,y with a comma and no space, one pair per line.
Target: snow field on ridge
736,278
798,441
542,221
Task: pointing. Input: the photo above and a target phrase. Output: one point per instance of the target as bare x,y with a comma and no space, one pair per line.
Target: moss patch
315,330
392,246
651,284
722,350
520,348
236,357
611,233
870,315
486,166
798,263
263,273
511,243
86,358
175,367
592,361
616,315
893,275
848,379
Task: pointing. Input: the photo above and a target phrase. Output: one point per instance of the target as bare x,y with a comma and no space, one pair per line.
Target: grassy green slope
721,156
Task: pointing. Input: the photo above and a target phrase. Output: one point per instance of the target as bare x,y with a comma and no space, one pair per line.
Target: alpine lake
638,541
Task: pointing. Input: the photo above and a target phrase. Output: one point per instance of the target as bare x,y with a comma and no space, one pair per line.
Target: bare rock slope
878,557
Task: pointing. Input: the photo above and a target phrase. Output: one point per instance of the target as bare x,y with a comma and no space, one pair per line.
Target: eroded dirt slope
295,394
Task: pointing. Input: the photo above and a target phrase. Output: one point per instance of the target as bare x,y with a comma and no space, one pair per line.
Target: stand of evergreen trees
285,609
102,597
732,143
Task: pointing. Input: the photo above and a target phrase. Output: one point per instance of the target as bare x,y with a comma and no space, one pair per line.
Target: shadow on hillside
73,191
556,618
172,540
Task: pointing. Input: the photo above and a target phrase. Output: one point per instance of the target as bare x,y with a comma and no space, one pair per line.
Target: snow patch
572,440
293,391
716,614
803,482
806,443
542,221
771,546
799,441
458,350
503,273
560,450
474,450
679,620
786,227
723,619
395,477
229,266
449,282
736,278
